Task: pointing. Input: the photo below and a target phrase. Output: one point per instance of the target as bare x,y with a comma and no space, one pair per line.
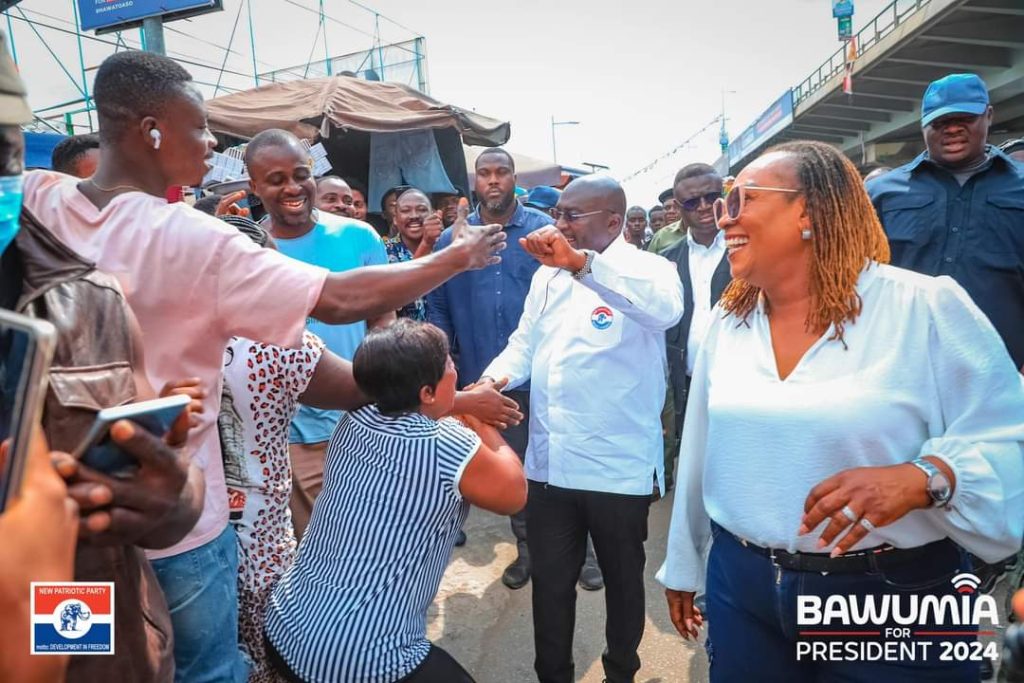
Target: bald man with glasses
591,342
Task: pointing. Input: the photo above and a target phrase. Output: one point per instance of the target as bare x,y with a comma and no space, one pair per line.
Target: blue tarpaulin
39,149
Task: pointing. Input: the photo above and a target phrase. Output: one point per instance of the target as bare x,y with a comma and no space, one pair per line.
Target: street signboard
842,8
111,15
845,28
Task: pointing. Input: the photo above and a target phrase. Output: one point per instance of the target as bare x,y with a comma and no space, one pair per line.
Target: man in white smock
591,342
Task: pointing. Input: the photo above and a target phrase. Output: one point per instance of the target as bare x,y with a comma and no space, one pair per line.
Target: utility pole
554,148
323,29
723,135
153,34
252,44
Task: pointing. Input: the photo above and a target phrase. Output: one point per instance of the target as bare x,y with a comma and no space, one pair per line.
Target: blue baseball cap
543,197
954,94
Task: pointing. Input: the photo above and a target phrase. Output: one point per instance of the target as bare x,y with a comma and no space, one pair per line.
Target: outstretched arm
332,386
369,292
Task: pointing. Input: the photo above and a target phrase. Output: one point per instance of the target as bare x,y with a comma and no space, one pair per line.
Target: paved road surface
488,628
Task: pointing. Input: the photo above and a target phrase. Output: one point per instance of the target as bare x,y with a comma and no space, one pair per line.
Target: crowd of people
827,373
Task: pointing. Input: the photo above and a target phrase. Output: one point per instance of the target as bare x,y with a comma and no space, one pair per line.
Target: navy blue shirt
974,233
480,309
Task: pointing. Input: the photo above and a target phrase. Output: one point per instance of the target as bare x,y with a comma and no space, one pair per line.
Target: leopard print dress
262,386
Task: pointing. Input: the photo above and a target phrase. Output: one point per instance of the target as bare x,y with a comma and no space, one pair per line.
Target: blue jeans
752,619
201,587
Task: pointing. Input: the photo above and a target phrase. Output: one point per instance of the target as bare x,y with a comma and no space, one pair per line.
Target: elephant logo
72,617
69,616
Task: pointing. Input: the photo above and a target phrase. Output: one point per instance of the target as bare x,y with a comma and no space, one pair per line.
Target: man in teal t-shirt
281,175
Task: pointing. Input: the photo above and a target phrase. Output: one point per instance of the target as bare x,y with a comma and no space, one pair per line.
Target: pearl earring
805,234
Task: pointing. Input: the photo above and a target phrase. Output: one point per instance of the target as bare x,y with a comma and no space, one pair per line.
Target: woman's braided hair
846,232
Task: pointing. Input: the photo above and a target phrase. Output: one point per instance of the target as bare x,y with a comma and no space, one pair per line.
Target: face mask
10,209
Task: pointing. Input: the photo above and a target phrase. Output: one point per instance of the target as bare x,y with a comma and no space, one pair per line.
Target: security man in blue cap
958,208
543,198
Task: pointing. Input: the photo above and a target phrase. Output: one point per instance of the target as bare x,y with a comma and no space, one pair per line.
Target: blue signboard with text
773,120
842,8
104,14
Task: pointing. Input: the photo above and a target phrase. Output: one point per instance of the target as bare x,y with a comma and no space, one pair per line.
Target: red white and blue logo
72,618
602,317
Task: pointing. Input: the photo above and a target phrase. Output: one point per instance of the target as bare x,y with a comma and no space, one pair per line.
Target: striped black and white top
353,606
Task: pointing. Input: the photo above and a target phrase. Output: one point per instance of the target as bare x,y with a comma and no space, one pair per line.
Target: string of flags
671,152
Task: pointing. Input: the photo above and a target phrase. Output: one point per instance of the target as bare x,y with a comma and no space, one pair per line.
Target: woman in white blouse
853,428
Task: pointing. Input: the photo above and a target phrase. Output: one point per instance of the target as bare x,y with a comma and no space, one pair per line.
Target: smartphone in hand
99,452
26,348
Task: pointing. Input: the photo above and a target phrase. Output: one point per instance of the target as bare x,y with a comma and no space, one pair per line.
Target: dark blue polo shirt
973,233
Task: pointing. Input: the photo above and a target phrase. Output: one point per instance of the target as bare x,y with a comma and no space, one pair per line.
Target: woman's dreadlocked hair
846,234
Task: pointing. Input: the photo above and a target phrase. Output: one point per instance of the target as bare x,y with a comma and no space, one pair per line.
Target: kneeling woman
398,482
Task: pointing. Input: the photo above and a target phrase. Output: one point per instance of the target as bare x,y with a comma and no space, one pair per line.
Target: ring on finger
866,523
850,514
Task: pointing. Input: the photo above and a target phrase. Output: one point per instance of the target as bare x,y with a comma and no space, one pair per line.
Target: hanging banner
851,57
773,120
108,15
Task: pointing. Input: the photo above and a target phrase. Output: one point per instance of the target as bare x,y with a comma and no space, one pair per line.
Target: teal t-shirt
337,244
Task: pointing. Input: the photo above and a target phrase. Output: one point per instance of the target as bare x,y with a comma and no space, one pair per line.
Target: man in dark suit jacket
704,271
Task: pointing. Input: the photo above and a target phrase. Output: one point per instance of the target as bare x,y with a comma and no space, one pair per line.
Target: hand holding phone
99,452
26,347
129,509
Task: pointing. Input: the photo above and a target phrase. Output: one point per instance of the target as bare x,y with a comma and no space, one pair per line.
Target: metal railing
887,21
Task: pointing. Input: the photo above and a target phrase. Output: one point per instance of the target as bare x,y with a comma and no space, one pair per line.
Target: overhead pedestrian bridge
899,52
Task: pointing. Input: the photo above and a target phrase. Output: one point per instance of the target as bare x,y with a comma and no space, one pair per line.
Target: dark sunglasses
732,204
694,203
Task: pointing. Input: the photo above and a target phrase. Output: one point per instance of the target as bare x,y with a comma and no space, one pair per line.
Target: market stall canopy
530,171
313,106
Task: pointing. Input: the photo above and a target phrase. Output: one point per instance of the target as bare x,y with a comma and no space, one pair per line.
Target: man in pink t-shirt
194,283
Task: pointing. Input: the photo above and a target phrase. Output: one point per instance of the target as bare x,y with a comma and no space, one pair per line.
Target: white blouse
923,372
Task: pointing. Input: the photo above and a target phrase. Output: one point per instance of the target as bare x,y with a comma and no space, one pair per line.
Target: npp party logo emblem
602,317
72,618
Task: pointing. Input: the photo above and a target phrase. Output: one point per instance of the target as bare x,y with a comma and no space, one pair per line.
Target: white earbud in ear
155,134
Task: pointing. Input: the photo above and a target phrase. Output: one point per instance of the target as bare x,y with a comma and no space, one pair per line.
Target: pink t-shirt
194,282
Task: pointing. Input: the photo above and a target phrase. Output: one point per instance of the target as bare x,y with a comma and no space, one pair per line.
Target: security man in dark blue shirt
958,208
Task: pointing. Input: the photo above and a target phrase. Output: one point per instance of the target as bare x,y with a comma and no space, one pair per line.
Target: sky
640,77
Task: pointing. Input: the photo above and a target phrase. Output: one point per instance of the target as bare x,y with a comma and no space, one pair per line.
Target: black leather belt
859,562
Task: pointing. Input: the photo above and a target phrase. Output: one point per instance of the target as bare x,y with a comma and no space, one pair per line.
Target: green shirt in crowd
666,237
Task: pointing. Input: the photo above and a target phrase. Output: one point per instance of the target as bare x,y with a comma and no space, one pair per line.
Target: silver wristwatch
938,486
585,270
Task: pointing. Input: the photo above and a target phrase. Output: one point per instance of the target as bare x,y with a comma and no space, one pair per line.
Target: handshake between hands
482,404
